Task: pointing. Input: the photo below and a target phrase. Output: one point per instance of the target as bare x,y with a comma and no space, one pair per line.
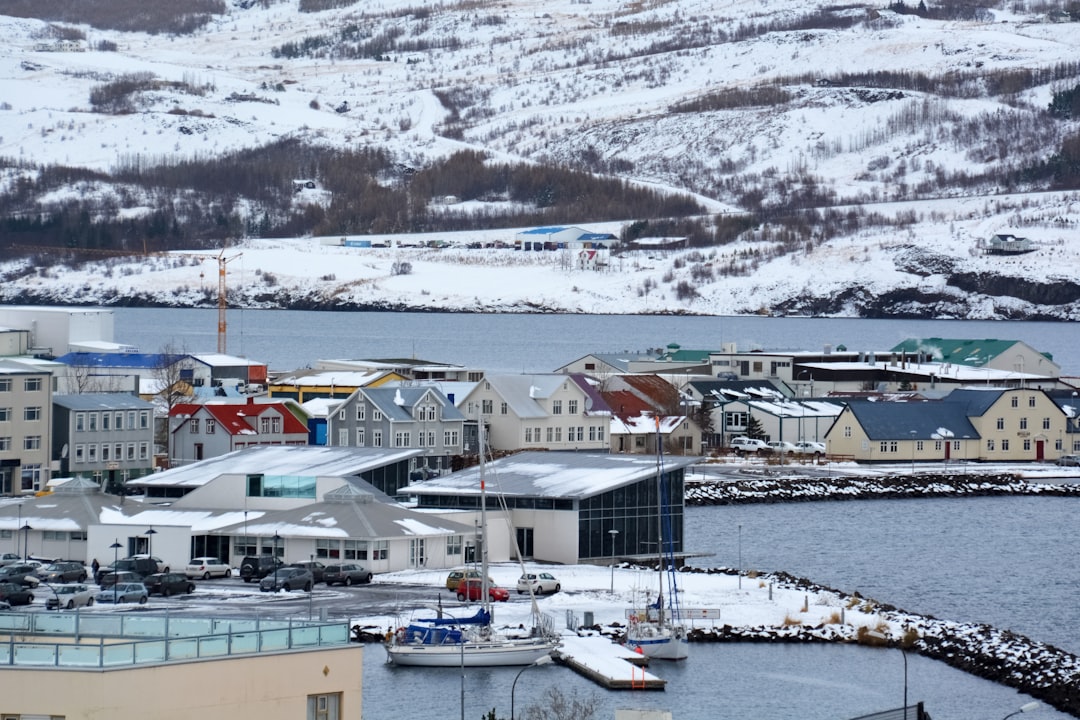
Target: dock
607,664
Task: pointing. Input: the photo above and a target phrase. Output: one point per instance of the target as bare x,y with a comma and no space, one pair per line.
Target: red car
471,588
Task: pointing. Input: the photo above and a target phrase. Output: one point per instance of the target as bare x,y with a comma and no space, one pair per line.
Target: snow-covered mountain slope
593,85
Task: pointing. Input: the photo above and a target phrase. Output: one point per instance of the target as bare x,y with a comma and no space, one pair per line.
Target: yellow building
119,666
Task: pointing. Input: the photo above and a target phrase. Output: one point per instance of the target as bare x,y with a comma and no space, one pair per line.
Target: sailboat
471,641
657,631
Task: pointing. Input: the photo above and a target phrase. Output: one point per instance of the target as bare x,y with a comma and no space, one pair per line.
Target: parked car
256,567
287,578
158,562
15,594
783,446
69,597
456,576
346,574
63,572
112,578
539,582
742,445
20,573
207,567
316,568
168,583
9,558
470,589
809,447
141,566
123,593
1069,460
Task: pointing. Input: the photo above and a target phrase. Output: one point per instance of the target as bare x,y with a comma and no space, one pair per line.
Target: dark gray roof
896,421
396,403
974,402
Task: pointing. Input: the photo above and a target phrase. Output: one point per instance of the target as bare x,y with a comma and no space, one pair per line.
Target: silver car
69,597
124,593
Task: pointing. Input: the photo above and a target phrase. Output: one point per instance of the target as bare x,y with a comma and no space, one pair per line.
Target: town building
25,428
130,667
108,437
216,427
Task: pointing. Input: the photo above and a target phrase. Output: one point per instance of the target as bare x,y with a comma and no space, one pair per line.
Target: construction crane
221,304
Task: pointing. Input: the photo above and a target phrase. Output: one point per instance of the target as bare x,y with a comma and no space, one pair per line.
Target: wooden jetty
607,664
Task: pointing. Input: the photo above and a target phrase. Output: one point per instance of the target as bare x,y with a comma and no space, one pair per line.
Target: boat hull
470,654
659,643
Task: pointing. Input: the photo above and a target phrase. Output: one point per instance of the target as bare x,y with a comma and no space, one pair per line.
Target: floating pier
607,664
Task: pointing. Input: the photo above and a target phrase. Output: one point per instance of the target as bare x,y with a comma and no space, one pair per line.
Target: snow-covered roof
550,475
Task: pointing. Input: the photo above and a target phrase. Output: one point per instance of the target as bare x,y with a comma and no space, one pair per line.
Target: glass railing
108,641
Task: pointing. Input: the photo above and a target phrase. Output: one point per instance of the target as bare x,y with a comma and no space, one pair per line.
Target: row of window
110,452
112,420
30,413
574,433
1023,422
402,438
55,535
487,407
422,413
29,442
208,426
328,549
29,384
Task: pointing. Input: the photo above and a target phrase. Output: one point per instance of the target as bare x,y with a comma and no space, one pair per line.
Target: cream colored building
89,666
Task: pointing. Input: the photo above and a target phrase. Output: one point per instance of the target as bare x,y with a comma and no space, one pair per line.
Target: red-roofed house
211,429
635,402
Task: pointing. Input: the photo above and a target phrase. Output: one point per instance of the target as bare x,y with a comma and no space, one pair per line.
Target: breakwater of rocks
791,488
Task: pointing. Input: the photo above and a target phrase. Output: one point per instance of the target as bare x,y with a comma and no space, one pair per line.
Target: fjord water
290,339
1009,562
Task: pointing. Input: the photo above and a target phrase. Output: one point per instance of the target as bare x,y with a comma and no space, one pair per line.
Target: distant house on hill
1005,244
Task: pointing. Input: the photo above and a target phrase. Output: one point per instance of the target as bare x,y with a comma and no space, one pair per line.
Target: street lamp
26,540
116,559
1025,708
150,541
913,433
277,539
612,532
542,660
740,557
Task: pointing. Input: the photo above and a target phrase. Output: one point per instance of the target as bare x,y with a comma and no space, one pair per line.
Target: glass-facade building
632,510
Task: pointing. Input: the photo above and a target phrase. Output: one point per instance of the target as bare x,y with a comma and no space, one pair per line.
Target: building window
245,545
919,445
1046,423
32,442
5,414
105,420
264,425
376,438
91,453
130,451
211,426
31,477
884,446
1001,423
1015,401
376,415
485,406
379,549
105,447
1027,445
327,549
194,426
119,421
894,446
1023,423
275,425
558,434
454,544
32,413
80,422
450,438
53,535
78,535
1031,401
360,437
556,407
5,443
990,445
131,419
144,451
847,431
550,434
1005,445
32,384
324,707
502,408
402,439
571,407
356,550
600,433
5,384
937,445
341,414
144,419
80,453
359,411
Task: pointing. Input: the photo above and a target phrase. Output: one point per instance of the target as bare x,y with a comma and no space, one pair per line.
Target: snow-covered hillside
589,84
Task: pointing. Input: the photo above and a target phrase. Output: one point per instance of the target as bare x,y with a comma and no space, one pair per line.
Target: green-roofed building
1005,355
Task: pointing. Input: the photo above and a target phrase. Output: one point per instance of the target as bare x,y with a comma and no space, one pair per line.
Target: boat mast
485,599
659,525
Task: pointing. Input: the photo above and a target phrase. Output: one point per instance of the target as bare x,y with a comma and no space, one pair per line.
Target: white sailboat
473,641
657,631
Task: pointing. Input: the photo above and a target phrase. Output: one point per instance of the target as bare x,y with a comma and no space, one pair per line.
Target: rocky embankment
803,489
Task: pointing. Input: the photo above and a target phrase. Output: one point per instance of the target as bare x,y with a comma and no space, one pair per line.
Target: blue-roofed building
983,424
99,369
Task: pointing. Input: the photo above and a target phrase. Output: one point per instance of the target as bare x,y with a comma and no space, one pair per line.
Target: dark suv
256,567
140,566
63,572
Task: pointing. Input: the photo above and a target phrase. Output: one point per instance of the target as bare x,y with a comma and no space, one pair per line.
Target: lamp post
965,453
740,556
542,660
880,636
277,539
116,558
26,540
1025,708
150,541
613,533
912,433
